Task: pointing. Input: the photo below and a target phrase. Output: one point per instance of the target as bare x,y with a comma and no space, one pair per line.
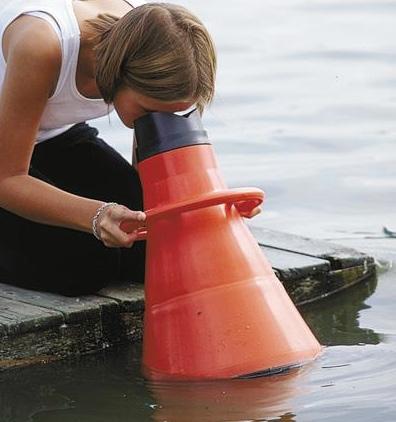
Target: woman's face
130,105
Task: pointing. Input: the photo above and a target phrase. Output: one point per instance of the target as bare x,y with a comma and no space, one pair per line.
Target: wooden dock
37,327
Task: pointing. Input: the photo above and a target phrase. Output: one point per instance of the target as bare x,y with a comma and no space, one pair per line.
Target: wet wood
294,266
18,318
338,256
333,267
73,309
37,327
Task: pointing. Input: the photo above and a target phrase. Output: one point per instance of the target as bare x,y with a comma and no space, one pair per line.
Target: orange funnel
214,307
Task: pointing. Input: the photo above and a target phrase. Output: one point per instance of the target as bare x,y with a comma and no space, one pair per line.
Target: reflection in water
109,388
231,400
335,319
103,387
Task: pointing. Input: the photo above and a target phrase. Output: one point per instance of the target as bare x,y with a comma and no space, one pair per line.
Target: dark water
305,110
353,380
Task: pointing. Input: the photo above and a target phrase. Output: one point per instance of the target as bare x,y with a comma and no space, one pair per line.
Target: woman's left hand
252,213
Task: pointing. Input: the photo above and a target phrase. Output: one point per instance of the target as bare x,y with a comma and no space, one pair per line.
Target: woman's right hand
108,226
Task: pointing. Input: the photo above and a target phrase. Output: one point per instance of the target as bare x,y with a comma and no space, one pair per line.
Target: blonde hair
160,50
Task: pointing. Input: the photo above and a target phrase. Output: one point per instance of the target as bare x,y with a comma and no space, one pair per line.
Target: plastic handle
244,199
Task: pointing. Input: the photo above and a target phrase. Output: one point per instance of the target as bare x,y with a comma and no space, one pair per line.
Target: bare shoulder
33,55
34,39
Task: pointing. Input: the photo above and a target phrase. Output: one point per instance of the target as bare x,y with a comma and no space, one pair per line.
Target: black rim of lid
159,132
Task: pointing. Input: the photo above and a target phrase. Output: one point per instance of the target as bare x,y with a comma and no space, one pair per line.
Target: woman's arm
33,58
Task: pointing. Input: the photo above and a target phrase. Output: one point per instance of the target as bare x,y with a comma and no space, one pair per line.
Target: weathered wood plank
293,266
84,324
19,318
50,343
307,281
339,256
303,277
342,279
74,309
130,297
46,342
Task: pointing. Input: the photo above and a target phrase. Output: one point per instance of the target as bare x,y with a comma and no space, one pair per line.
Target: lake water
305,110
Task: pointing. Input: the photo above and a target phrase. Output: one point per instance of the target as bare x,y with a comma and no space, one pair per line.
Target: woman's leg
66,261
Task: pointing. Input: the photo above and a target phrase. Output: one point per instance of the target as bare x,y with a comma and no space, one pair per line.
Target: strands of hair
158,49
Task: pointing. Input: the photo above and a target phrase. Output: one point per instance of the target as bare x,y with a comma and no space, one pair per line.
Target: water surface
354,379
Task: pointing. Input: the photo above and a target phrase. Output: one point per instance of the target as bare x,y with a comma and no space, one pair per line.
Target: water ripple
344,55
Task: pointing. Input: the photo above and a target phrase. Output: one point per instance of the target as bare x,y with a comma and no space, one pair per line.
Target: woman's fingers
113,237
120,213
109,226
132,223
255,211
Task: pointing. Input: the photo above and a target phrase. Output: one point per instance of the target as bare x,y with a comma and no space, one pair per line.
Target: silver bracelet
95,218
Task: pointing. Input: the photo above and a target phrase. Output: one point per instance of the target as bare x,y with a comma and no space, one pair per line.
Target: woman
65,62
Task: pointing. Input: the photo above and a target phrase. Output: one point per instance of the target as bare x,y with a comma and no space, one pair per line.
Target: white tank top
66,106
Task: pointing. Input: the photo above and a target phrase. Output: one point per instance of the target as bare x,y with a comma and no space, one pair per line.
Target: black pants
69,262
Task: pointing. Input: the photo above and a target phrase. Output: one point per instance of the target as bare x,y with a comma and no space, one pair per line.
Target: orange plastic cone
214,307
